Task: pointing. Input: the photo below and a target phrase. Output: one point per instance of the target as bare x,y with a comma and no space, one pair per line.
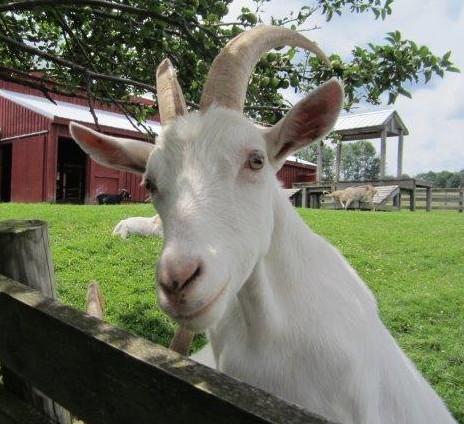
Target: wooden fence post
304,197
25,257
428,199
412,200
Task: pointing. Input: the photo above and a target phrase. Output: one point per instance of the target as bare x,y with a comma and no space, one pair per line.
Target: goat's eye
149,185
256,160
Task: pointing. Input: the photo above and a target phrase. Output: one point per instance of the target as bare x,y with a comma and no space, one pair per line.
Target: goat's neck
276,279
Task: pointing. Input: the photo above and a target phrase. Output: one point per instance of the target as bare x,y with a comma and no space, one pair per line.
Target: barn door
5,172
71,172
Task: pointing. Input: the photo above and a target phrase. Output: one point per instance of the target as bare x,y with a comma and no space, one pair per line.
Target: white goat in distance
283,310
140,225
349,195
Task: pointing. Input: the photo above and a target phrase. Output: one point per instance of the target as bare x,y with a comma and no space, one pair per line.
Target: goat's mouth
204,308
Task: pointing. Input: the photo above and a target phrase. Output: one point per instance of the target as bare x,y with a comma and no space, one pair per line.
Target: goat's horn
95,300
181,341
228,77
171,102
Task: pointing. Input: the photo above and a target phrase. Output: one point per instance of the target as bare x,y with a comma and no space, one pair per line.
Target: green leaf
427,75
291,53
446,56
453,69
404,92
392,97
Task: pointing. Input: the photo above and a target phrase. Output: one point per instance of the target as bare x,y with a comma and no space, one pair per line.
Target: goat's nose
175,275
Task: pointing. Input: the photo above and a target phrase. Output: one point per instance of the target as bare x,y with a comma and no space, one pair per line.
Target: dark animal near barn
113,199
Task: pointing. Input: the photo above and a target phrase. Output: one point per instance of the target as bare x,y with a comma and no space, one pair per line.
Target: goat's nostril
166,288
173,277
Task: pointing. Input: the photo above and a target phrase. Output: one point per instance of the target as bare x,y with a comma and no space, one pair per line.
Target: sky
435,114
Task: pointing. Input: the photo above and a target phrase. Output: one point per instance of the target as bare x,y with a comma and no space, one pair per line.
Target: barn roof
295,159
73,112
369,125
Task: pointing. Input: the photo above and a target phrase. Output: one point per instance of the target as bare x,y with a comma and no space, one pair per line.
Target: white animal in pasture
283,310
349,195
140,225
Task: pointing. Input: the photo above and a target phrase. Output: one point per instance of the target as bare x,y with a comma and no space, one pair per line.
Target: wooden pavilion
367,126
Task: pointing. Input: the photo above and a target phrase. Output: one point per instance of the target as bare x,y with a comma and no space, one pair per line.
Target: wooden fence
449,199
444,199
101,373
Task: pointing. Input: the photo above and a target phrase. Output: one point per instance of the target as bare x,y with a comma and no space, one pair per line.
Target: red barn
296,170
39,162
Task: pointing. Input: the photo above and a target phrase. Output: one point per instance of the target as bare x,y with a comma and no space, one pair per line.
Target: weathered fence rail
104,375
451,199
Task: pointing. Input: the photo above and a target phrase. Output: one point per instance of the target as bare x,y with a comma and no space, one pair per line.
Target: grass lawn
413,262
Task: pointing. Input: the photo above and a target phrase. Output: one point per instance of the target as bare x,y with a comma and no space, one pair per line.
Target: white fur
291,316
282,308
139,225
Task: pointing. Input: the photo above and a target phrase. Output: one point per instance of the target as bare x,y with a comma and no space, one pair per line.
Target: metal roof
370,125
350,127
295,159
73,112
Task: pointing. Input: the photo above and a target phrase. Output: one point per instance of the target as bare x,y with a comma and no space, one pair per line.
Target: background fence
443,199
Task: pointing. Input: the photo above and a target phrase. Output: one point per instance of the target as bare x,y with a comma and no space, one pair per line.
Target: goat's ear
309,120
119,153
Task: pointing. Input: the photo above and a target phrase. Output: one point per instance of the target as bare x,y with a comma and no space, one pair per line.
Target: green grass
413,262
84,249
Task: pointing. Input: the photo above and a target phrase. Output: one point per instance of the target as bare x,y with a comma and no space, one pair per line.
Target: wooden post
397,201
461,199
319,162
412,199
399,169
304,196
428,199
383,154
338,161
25,257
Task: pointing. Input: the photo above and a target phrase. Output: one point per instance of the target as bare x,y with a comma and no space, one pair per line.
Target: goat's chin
204,318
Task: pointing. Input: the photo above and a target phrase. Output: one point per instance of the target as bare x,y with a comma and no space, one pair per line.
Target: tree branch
30,4
41,84
88,81
269,108
72,65
172,19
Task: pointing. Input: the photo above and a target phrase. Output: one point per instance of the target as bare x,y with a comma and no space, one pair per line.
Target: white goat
282,308
140,225
351,194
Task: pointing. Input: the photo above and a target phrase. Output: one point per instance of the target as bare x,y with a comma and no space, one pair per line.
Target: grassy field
413,262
